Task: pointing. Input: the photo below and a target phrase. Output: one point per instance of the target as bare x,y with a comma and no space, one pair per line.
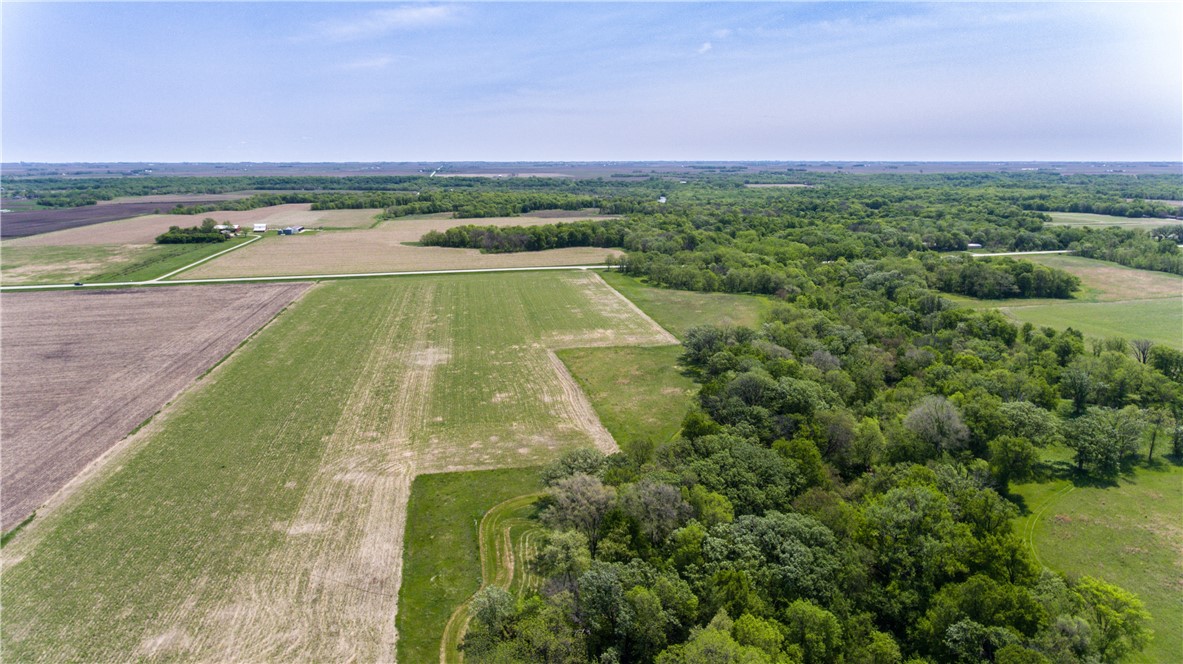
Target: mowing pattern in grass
678,311
262,517
1130,535
443,562
508,535
640,394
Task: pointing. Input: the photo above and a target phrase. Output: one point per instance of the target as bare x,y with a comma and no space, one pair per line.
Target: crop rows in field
262,517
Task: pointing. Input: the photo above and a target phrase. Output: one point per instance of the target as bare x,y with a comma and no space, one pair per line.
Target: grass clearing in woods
1130,534
678,311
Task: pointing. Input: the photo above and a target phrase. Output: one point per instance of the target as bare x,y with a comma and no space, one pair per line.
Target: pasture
1160,321
389,248
442,559
1114,301
678,311
81,370
261,516
1105,220
1128,534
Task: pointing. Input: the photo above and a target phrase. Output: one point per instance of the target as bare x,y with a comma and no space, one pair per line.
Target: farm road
302,277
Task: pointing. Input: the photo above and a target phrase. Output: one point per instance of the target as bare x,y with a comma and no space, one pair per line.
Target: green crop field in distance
640,394
442,565
678,311
1129,534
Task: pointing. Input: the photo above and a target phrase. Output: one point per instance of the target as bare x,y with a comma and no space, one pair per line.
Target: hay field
1115,301
384,249
262,516
82,369
1106,220
144,229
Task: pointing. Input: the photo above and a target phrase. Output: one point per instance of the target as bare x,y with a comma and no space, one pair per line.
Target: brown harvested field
143,230
34,222
383,249
82,369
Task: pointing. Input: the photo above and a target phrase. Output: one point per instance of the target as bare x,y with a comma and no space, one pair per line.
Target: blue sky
320,81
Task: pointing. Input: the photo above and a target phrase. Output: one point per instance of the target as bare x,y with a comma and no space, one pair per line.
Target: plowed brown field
82,369
382,249
143,230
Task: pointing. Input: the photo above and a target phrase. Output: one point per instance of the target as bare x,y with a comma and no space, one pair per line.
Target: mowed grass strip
1130,534
640,394
678,311
442,564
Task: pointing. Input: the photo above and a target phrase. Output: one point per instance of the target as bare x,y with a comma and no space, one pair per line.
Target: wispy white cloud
384,21
378,62
723,33
706,46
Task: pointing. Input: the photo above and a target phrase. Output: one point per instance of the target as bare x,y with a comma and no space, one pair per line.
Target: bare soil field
385,249
144,229
33,222
82,369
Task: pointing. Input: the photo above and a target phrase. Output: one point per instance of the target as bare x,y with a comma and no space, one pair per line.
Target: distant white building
260,228
661,199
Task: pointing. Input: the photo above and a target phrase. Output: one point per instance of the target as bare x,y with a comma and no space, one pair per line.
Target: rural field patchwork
261,516
387,248
81,370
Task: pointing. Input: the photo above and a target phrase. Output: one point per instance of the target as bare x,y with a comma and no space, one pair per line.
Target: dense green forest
840,494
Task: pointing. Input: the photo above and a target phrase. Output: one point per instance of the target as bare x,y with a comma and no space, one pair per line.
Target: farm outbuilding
260,228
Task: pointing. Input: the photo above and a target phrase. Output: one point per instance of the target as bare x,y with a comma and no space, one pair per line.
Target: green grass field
442,565
1105,220
640,394
678,310
261,516
101,263
1131,535
1159,320
1114,301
